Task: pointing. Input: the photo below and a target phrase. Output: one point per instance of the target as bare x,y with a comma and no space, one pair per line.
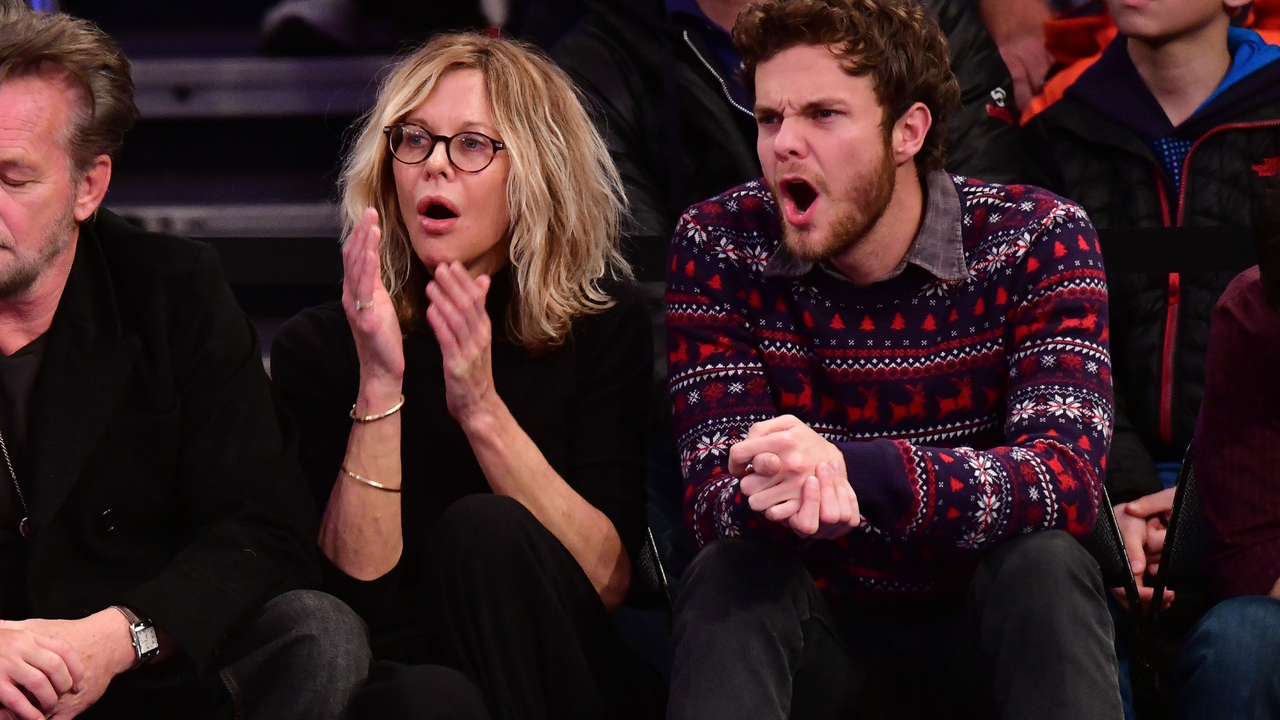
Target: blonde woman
472,415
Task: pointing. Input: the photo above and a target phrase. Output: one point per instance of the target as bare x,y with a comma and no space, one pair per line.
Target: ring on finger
360,305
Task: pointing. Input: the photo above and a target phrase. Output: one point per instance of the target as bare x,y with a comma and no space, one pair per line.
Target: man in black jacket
150,510
662,75
1176,124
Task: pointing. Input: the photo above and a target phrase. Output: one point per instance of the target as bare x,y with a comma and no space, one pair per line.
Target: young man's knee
737,566
737,578
1049,565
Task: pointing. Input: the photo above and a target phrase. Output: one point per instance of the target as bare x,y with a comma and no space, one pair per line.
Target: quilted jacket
1090,147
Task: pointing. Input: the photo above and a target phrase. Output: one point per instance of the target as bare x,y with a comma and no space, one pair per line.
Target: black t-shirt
17,379
584,404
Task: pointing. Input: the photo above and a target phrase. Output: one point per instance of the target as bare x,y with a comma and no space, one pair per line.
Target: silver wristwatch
145,642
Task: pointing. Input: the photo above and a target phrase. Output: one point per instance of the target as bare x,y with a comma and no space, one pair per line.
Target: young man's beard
19,275
865,203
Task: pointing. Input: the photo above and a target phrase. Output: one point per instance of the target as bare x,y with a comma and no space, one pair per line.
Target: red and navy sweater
967,411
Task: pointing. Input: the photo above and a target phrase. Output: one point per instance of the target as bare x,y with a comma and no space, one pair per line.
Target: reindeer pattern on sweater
967,411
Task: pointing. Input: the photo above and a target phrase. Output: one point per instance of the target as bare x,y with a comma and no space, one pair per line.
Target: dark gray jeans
754,638
302,655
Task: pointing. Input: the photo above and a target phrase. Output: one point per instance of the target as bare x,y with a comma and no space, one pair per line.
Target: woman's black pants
516,630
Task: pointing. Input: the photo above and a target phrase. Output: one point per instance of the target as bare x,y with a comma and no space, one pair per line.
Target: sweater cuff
878,479
734,505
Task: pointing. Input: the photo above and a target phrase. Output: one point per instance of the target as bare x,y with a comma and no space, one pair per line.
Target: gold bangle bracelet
379,416
367,481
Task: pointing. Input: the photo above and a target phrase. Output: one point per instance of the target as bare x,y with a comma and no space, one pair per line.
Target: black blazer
160,477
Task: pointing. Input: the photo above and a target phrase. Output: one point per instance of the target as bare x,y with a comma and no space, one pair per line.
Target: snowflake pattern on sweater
967,412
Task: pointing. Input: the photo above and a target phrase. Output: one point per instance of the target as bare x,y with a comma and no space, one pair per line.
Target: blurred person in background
1229,664
1075,38
155,531
1018,29
663,76
365,27
473,412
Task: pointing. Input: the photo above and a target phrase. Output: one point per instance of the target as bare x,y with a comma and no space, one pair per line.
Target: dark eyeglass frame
498,145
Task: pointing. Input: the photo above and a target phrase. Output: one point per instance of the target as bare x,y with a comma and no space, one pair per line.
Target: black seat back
649,590
1182,561
1107,547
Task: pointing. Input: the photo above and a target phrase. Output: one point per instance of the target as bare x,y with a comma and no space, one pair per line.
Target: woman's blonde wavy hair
564,193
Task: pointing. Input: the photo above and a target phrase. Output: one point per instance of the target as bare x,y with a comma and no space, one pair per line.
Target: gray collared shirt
937,247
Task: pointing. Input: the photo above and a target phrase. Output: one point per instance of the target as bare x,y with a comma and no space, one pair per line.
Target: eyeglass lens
469,152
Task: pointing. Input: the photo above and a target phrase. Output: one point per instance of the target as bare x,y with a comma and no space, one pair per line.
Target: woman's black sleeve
609,421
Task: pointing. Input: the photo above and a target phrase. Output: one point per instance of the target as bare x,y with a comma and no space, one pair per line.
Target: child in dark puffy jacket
1175,123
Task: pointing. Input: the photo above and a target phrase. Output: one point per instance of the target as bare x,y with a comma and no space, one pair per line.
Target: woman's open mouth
437,214
437,211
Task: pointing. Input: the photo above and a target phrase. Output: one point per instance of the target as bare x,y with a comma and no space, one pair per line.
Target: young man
1230,660
893,400
150,510
1176,124
662,75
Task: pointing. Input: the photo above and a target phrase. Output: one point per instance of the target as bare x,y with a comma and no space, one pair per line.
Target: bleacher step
279,220
239,87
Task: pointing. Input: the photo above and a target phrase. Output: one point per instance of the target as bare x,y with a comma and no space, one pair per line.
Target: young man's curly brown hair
894,42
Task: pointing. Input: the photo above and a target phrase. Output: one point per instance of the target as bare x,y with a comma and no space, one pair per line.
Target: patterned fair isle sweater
968,412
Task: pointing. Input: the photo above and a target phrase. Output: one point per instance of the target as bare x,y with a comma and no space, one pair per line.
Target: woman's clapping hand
457,315
379,343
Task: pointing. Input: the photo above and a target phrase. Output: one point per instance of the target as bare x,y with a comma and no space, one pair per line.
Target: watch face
147,640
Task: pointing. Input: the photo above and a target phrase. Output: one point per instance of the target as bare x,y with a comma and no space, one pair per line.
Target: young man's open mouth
798,198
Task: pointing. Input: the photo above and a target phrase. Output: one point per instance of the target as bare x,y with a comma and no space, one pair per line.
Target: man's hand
794,476
1017,27
828,506
776,459
1142,527
35,667
104,645
1028,62
1275,590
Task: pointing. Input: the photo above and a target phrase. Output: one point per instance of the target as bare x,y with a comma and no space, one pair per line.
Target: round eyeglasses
468,151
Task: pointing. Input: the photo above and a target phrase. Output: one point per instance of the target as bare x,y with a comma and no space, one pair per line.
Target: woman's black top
583,403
